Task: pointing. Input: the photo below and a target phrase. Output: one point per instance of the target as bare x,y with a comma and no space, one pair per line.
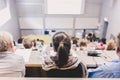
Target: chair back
79,71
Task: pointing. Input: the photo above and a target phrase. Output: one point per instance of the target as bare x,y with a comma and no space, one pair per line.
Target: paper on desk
25,53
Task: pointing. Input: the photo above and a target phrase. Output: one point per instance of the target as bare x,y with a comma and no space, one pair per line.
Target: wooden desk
93,61
88,60
107,56
35,60
33,66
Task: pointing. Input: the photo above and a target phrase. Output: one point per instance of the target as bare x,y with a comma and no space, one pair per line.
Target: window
65,6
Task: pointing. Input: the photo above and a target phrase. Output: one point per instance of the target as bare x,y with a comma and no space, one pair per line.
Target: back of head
118,43
89,37
74,41
27,42
111,45
20,40
61,44
83,44
103,40
6,41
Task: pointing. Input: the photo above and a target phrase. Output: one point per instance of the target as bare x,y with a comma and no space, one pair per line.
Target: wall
12,24
2,4
36,9
111,10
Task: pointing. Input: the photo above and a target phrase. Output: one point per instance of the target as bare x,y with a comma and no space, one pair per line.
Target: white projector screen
65,6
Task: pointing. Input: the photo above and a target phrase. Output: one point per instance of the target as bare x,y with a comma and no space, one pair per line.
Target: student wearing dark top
75,41
90,37
84,33
63,64
20,40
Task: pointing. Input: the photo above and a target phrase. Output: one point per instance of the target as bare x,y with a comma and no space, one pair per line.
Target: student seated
11,65
34,45
84,34
83,44
20,40
103,40
27,42
111,45
90,37
108,70
74,43
39,43
100,46
63,64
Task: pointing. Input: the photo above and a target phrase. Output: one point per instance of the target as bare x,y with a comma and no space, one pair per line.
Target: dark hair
34,43
103,40
74,41
61,44
118,42
90,34
84,30
38,39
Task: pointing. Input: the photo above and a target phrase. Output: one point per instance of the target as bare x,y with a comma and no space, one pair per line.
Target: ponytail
63,54
61,44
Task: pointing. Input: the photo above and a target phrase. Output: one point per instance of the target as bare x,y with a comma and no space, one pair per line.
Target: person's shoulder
16,57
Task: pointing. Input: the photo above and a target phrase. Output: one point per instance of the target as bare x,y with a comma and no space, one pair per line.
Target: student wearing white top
11,65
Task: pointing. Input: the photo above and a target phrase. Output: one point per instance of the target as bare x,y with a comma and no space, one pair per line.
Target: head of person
27,42
42,42
33,43
61,44
118,45
74,41
38,39
6,42
103,40
111,45
83,44
90,34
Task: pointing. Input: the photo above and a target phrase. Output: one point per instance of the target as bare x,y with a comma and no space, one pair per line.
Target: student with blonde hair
111,45
11,65
83,44
27,42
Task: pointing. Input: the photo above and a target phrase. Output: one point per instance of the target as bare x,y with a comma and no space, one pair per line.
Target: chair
79,71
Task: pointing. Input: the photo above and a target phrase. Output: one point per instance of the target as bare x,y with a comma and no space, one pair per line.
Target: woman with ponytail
63,64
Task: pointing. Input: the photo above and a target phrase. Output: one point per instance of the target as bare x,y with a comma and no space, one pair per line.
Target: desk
88,60
33,65
106,56
34,61
93,61
35,58
11,78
